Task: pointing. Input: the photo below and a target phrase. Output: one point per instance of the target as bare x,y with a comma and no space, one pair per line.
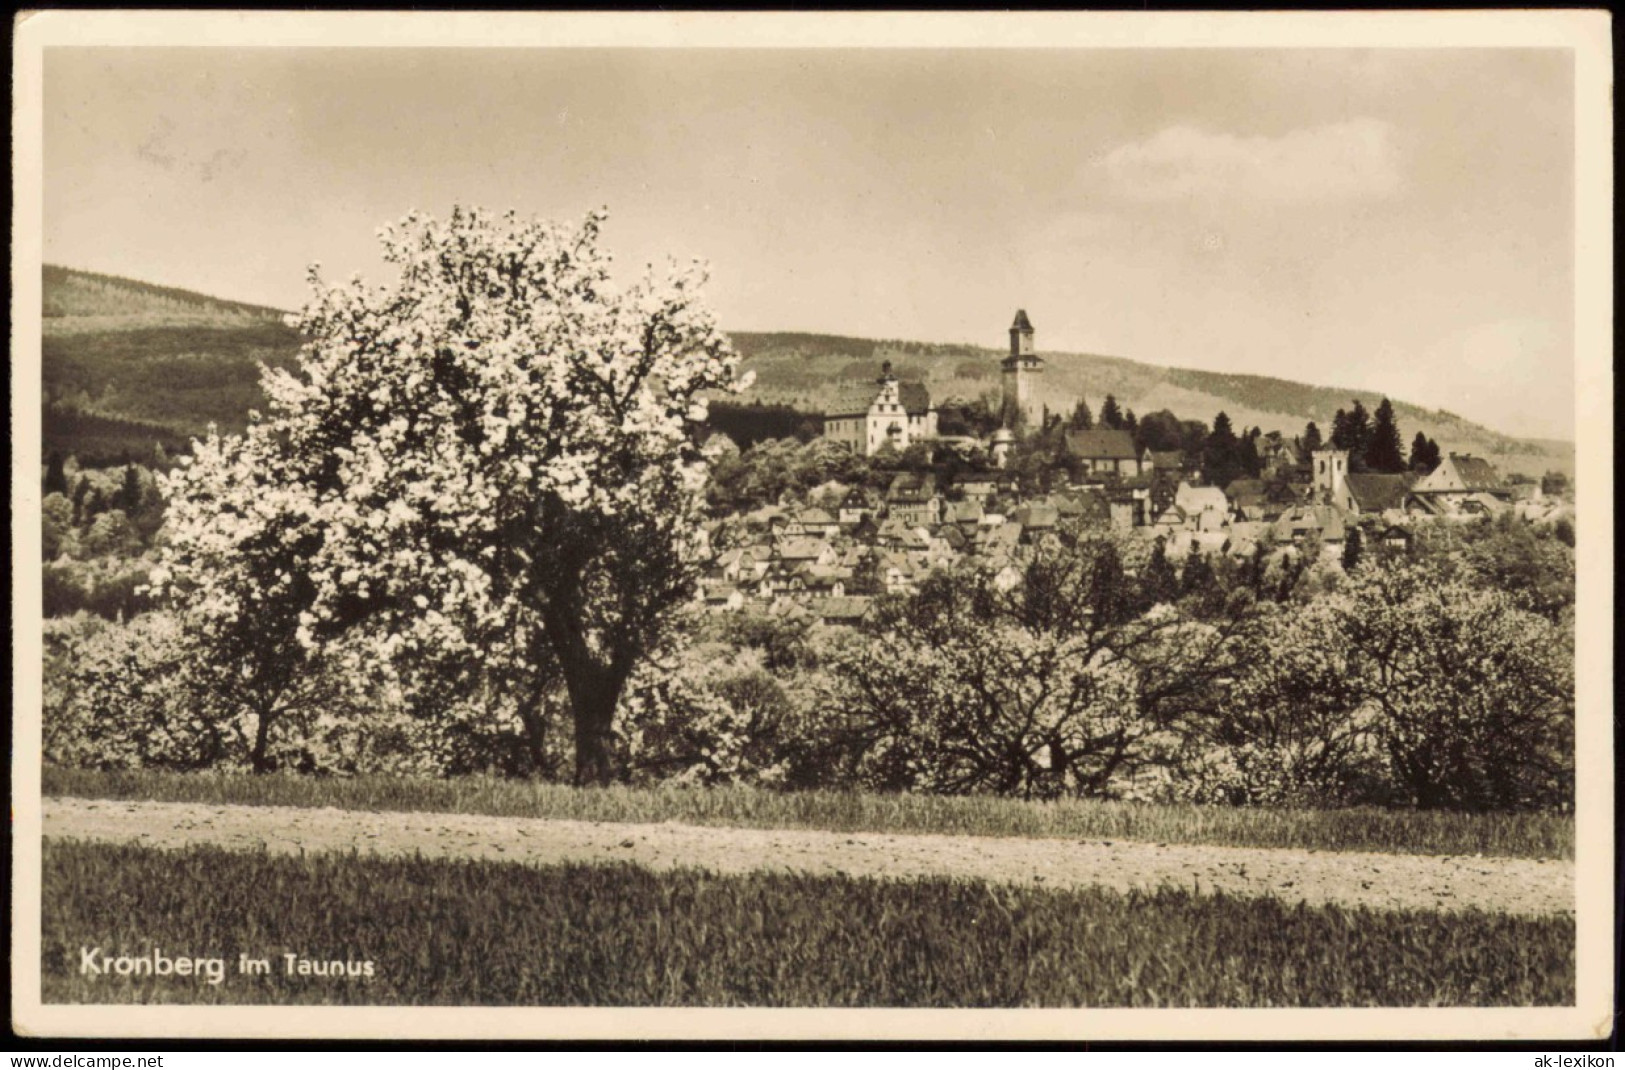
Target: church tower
1331,475
1020,372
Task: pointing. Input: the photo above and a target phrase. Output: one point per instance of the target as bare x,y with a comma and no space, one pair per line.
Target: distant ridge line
63,273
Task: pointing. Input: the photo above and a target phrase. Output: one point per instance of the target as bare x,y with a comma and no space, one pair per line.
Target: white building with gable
870,417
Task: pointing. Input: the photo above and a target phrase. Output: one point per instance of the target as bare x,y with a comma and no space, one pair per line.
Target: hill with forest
805,371
128,366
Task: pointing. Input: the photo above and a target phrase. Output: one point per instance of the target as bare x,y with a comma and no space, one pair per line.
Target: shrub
702,716
123,702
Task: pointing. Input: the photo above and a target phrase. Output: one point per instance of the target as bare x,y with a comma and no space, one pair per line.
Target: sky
1397,220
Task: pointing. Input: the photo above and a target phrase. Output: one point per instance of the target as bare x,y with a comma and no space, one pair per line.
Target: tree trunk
262,739
533,718
594,694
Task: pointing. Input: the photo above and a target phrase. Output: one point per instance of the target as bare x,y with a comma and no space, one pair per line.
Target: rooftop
855,399
1101,445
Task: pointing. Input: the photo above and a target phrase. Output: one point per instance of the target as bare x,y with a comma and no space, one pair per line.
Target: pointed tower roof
1022,322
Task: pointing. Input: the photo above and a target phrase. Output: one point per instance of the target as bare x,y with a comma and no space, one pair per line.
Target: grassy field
479,933
1402,832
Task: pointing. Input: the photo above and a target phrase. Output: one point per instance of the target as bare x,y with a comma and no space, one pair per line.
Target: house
1068,508
1201,543
1001,540
890,533
916,539
1205,508
897,574
798,551
966,514
1463,485
1105,453
1127,512
854,507
885,413
1246,536
820,581
1036,521
852,556
914,499
723,598
1170,519
1301,522
845,609
1275,454
924,562
1262,499
1162,485
726,565
743,565
1245,493
953,538
1169,461
1395,538
817,522
977,488
772,584
1524,493
1094,510
865,531
1375,493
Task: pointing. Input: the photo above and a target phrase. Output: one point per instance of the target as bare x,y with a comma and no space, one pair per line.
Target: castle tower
1020,371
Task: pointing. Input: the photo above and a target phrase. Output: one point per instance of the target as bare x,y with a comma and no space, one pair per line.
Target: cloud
1348,161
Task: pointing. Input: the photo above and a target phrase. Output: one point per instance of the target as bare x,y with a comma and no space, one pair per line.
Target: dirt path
1383,881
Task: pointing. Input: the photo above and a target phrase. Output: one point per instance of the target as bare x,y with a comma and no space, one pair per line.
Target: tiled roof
1375,492
1006,535
1093,505
1245,492
1475,472
1022,323
850,608
1331,523
1037,516
908,486
1101,445
801,549
852,400
1198,499
855,399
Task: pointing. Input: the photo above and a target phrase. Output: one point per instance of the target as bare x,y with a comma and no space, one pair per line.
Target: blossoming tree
1056,684
489,459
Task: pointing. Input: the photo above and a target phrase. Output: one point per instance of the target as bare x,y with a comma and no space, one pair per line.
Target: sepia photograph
813,526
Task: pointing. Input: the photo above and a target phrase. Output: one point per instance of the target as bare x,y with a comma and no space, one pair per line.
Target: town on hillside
1010,474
